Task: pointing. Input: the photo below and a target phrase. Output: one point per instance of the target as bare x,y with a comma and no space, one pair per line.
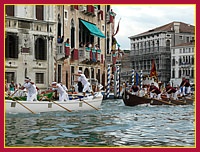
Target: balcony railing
62,51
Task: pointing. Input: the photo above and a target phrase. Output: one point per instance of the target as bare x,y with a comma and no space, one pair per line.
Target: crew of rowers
154,92
32,90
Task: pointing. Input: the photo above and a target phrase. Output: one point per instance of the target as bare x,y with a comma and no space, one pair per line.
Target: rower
171,91
154,91
84,82
135,90
31,88
63,95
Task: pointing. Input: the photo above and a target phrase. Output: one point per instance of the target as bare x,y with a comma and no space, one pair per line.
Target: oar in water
57,104
23,105
89,104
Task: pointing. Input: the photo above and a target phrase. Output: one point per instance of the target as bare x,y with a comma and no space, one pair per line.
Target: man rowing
31,88
171,91
63,95
84,82
154,91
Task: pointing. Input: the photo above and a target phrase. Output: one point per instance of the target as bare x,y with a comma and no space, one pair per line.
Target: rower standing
31,88
63,96
84,82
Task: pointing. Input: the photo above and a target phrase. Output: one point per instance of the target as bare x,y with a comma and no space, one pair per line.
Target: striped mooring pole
141,79
132,77
117,82
108,82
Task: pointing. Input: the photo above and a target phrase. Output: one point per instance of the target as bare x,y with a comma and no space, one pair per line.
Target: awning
93,29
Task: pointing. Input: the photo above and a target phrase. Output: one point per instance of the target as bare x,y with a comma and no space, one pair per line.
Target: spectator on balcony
67,43
62,39
81,44
59,39
96,47
94,51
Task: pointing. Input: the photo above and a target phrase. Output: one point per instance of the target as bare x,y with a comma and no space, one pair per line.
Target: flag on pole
153,69
117,30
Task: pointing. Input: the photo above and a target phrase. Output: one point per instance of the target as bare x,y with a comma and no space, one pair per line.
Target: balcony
185,64
62,51
87,55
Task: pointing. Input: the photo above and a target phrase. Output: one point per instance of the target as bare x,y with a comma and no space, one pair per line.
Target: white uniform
85,82
63,96
32,91
64,87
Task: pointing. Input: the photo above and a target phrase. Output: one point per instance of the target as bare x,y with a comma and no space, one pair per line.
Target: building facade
156,44
182,63
29,33
51,42
88,30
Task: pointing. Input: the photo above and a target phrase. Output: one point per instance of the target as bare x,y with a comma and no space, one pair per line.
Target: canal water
114,125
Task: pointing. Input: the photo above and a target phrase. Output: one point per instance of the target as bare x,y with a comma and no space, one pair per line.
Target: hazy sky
136,19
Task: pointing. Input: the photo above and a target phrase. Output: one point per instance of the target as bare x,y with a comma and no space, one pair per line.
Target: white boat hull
48,106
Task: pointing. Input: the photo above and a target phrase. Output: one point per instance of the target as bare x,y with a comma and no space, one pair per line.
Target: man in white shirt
85,82
63,96
31,88
64,87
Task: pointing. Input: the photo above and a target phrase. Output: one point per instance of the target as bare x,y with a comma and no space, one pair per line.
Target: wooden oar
164,101
60,106
57,104
24,106
13,93
89,105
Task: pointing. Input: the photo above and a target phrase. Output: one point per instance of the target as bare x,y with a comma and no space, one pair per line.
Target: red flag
153,69
117,28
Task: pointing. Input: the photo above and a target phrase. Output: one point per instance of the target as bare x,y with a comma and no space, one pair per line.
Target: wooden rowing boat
86,103
134,100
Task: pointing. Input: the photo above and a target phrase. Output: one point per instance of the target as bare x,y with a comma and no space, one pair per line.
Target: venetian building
182,62
86,43
156,44
29,43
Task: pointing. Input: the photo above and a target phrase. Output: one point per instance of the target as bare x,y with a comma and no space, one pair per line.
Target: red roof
184,28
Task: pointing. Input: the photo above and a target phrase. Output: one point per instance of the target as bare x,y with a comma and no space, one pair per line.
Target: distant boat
133,100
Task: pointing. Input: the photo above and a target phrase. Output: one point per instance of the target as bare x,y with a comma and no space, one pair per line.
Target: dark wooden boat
134,100
165,101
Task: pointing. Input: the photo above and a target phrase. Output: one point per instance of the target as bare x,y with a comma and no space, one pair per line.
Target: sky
136,19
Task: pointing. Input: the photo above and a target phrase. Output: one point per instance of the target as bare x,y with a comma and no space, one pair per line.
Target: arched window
40,49
11,46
